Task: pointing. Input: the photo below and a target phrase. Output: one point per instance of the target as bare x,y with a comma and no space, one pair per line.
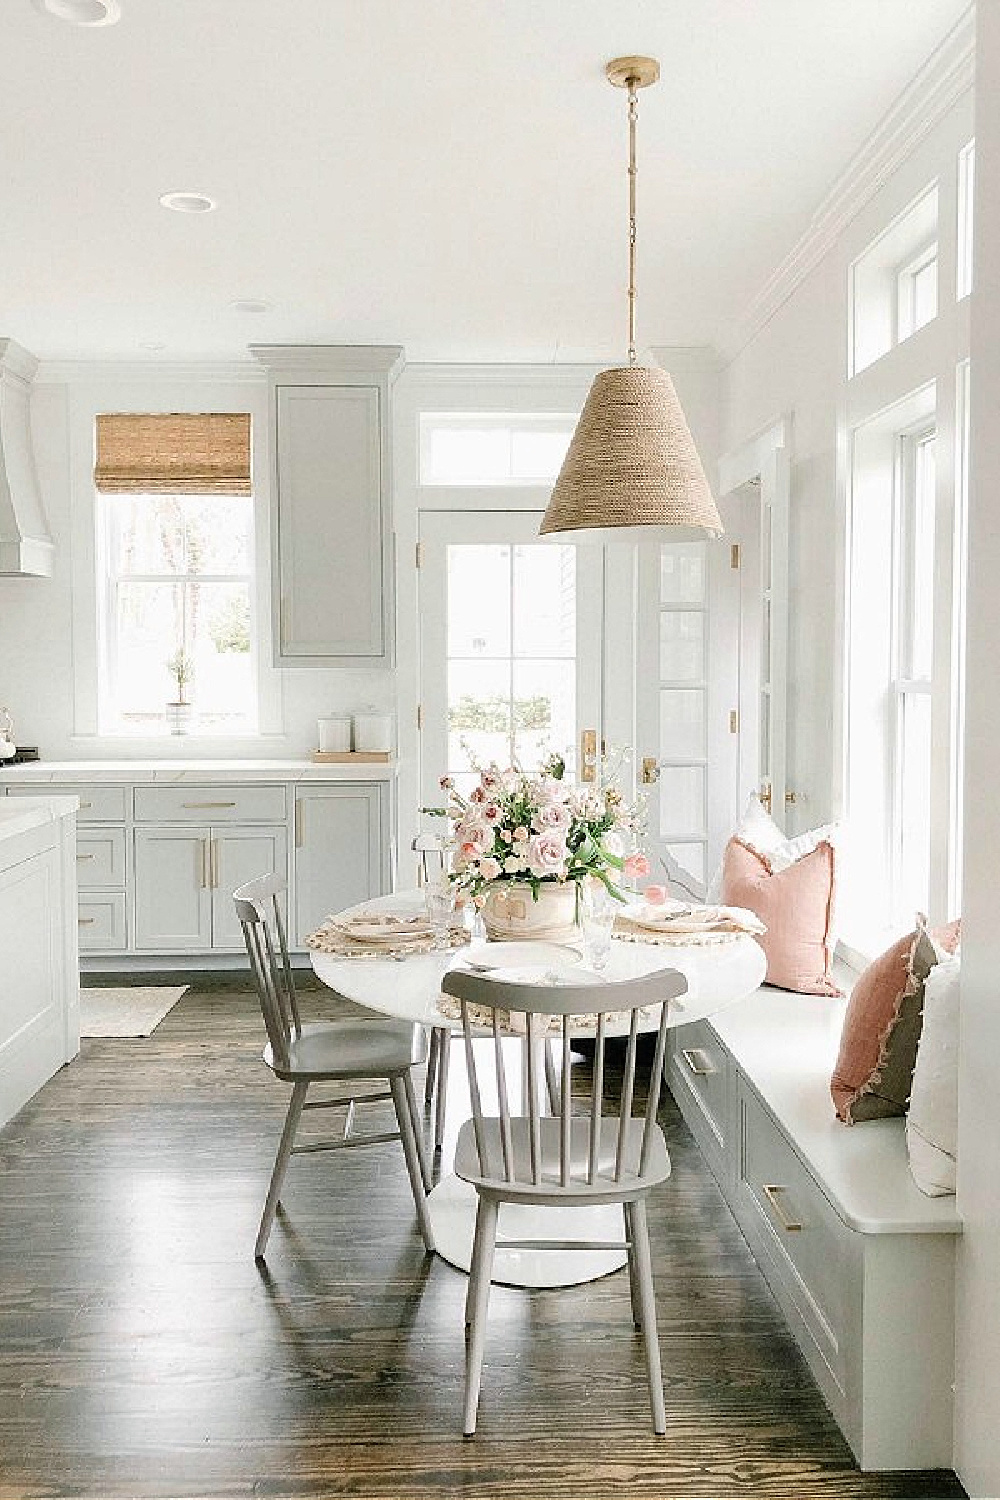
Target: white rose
513,865
489,868
553,817
547,855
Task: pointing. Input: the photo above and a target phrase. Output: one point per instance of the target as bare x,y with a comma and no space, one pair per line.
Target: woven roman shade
177,453
632,463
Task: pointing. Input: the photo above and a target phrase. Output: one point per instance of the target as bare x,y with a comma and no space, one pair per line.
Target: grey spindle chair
349,1052
563,1160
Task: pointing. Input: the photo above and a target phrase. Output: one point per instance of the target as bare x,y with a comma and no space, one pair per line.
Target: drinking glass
439,904
598,924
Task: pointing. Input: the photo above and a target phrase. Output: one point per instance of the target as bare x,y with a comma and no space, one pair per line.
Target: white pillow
759,830
932,1123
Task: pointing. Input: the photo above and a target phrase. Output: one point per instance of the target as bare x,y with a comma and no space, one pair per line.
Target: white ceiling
444,174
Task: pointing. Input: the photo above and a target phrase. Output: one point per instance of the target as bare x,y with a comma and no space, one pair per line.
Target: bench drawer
98,804
101,921
808,1246
100,857
210,804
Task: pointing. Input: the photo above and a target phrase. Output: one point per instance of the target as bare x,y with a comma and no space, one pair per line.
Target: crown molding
946,75
150,372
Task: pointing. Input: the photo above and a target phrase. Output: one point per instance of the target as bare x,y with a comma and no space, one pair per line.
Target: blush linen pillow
794,898
878,1045
932,1121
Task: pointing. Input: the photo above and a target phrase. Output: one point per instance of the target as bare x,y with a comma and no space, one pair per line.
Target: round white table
717,974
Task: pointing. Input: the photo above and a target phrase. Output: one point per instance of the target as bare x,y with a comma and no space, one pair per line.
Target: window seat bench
860,1261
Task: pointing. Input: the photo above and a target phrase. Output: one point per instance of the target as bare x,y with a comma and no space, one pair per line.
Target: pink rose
513,865
477,794
489,780
489,868
547,855
520,835
553,817
656,894
492,813
477,835
636,867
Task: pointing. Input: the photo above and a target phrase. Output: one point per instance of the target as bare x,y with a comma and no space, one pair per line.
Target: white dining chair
564,1160
348,1052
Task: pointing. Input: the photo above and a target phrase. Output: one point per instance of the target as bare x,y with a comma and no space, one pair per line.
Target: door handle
764,796
650,773
588,755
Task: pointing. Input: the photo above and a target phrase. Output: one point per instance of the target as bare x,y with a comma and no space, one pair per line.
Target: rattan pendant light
631,467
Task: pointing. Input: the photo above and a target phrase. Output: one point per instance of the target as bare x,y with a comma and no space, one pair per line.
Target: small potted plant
180,711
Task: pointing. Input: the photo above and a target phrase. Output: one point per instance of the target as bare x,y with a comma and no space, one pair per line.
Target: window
916,293
486,448
175,550
966,200
894,283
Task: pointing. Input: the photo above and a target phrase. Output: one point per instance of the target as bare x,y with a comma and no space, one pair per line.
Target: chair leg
292,1119
432,1061
411,1151
633,1280
551,1081
483,1249
411,1101
644,1272
444,1056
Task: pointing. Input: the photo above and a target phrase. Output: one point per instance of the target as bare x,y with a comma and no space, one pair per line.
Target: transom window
486,448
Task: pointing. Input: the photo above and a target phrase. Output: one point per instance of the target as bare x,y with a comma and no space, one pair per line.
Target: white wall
978,1353
47,665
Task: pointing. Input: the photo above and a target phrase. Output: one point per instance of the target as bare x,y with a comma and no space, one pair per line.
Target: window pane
478,713
915,795
682,724
922,586
493,449
682,573
544,607
924,294
544,711
682,801
682,646
479,601
537,456
180,534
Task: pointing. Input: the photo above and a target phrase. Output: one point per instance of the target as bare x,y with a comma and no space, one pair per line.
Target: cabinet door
341,854
332,536
239,855
173,901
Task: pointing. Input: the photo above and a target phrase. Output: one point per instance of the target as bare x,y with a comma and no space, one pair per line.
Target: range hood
26,547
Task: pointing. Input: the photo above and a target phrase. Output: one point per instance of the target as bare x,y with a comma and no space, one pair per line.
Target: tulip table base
452,1207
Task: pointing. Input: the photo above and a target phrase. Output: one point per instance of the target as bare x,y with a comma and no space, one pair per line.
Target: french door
510,645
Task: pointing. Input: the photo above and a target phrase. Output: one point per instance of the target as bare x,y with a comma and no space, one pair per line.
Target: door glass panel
691,858
682,801
682,645
682,573
479,601
511,635
682,723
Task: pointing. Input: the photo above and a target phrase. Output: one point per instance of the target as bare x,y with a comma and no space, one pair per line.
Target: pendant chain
633,115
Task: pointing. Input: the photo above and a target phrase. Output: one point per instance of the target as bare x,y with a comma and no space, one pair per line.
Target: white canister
334,734
373,732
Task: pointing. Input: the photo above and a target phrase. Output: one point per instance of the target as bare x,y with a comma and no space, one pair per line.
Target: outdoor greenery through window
177,613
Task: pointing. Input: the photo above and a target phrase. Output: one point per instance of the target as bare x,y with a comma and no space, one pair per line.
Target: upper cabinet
331,525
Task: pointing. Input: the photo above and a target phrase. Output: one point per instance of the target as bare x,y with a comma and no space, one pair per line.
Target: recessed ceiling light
188,203
153,348
250,305
82,12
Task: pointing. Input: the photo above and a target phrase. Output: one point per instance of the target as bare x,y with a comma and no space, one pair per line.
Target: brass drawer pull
85,921
85,804
208,804
86,856
771,1191
690,1056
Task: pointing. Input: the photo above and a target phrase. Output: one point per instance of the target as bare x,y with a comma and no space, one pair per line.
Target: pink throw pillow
796,906
878,1045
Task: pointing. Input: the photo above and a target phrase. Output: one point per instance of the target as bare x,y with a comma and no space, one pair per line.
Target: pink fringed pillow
796,906
878,1045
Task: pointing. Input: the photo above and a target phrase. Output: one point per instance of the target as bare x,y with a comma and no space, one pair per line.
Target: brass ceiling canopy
631,467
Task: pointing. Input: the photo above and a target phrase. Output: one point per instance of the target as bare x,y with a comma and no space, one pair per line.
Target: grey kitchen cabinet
184,883
331,524
341,851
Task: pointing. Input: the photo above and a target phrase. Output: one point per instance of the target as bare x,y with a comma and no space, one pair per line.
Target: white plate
488,956
384,929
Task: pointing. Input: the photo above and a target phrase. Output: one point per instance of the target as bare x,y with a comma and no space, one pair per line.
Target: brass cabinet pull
771,1191
213,863
86,856
208,804
690,1054
85,921
300,831
203,876
85,804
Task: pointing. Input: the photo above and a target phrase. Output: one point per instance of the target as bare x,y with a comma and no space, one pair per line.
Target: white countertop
21,814
59,771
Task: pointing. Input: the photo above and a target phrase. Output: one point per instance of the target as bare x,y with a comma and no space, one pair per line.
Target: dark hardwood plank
145,1355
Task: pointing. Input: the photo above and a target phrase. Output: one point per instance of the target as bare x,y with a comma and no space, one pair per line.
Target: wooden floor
142,1353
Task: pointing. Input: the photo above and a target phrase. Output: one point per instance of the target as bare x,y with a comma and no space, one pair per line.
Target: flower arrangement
542,828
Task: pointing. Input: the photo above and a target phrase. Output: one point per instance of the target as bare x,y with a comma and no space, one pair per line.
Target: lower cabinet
341,851
184,883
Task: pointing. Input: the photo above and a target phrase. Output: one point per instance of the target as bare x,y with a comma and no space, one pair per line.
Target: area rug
132,1010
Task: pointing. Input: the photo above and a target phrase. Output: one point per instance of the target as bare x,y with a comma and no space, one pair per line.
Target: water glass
439,904
598,924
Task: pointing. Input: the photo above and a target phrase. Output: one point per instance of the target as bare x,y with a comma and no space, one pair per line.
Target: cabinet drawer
806,1242
102,921
100,857
701,1067
210,804
98,804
